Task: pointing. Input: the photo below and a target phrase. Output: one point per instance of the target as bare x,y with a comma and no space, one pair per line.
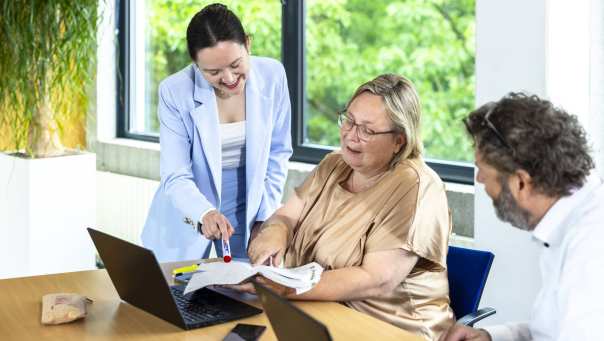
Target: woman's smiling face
225,66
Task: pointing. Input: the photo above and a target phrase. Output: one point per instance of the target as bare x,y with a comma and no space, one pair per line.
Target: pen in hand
226,250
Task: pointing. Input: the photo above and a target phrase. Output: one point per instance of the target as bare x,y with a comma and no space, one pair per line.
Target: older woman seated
373,214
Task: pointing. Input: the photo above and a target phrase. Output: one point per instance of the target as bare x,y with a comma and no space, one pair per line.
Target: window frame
123,78
293,17
292,35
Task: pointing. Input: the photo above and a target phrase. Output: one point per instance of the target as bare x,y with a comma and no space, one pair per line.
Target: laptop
288,321
139,280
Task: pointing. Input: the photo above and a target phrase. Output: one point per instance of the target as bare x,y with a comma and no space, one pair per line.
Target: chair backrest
468,271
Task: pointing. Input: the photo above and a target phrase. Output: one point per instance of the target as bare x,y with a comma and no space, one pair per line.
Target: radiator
122,204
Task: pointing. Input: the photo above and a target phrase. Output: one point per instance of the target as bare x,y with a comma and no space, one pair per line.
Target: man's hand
459,332
214,225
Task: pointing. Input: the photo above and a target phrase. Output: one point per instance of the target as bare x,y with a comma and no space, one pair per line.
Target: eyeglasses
365,134
487,121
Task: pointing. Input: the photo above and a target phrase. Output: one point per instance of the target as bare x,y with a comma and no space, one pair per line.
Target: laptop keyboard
205,307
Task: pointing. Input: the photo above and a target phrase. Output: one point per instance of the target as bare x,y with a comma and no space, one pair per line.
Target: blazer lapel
257,130
205,117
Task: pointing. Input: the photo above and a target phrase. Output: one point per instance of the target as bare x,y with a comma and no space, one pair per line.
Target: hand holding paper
301,279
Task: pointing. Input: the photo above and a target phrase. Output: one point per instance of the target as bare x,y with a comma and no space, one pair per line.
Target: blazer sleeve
280,152
175,159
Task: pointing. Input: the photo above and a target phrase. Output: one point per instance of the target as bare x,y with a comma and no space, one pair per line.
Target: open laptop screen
288,321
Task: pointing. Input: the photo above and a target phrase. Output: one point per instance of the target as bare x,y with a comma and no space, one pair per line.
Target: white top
570,303
232,139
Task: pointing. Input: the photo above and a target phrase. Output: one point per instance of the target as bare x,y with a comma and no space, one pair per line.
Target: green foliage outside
349,42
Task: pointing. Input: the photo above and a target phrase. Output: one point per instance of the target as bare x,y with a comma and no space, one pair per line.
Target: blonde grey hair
403,108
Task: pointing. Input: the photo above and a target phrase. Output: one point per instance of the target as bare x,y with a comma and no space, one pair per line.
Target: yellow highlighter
184,269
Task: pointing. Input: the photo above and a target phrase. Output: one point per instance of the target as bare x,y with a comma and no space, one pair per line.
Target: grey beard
507,209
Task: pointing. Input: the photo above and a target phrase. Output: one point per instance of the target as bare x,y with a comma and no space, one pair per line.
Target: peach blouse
406,209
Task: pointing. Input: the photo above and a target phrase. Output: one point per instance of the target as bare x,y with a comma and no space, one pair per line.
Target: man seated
534,162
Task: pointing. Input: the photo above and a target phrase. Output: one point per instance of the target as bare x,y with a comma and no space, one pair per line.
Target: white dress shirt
570,304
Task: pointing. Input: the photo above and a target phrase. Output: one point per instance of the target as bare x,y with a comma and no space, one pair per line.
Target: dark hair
213,24
525,132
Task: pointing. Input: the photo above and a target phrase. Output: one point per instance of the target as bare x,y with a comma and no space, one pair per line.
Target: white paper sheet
302,278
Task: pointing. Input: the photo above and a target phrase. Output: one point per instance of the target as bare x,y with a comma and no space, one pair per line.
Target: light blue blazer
190,158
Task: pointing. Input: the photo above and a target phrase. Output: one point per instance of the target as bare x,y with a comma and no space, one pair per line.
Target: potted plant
48,191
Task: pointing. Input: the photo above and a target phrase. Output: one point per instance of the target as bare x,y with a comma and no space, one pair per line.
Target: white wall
568,57
596,82
103,125
510,55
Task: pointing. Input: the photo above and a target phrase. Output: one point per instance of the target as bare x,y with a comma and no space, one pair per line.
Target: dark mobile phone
244,332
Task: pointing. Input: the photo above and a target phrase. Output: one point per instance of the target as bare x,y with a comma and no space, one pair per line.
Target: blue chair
468,271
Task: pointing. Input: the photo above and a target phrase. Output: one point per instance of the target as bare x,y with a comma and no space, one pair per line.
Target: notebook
139,280
288,321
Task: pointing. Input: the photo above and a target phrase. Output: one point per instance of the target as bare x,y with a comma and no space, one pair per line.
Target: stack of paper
302,278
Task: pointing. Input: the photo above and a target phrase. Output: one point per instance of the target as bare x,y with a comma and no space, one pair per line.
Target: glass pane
431,42
159,31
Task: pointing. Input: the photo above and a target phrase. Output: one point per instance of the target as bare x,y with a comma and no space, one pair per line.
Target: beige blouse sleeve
416,220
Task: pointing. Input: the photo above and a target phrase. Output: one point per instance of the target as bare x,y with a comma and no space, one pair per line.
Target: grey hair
403,109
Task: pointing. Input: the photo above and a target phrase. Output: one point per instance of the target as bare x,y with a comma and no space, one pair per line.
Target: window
330,47
340,45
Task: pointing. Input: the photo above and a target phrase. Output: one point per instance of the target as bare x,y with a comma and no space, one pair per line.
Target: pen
184,269
226,251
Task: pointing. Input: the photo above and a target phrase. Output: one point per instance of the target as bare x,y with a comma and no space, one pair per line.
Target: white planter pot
45,207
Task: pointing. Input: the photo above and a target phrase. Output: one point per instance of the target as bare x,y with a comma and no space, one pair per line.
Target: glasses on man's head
365,134
486,120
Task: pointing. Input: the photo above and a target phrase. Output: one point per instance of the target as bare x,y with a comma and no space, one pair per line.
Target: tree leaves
349,42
